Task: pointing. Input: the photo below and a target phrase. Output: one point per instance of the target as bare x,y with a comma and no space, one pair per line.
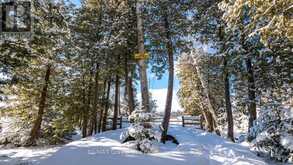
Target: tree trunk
227,89
84,120
142,63
34,134
128,87
209,121
211,114
119,102
209,126
168,106
95,102
228,103
116,106
251,97
105,115
201,121
130,93
102,110
87,109
126,74
117,97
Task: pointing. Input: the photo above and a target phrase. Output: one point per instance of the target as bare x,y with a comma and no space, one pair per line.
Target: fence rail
188,120
119,121
184,120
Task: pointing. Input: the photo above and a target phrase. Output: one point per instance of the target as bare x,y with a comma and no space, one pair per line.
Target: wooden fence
110,122
184,120
191,120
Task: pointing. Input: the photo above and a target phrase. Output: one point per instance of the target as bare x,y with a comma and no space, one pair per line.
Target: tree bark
95,102
126,74
251,89
209,121
117,97
251,97
201,121
116,106
168,106
209,126
142,63
84,120
87,109
34,134
105,115
227,88
128,87
228,103
211,114
102,110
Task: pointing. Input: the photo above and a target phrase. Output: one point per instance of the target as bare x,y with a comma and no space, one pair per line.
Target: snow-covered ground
196,147
26,156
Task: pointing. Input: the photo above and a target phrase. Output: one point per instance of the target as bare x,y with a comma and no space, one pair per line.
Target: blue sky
162,83
77,2
158,88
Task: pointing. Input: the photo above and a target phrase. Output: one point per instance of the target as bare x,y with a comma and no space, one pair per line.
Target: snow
26,156
287,141
159,95
196,147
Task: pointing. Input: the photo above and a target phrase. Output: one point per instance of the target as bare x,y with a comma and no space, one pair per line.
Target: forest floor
196,147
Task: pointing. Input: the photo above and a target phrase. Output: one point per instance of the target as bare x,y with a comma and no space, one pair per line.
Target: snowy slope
196,148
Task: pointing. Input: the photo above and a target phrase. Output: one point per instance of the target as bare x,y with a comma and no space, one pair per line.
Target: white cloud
160,96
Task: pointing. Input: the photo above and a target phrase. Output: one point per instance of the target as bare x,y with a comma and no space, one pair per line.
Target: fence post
183,125
120,122
201,121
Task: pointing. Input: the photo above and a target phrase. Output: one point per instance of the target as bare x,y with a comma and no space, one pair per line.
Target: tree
117,97
161,19
142,63
226,76
198,82
44,33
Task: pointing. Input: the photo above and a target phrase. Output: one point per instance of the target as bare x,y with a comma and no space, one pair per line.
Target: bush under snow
274,136
13,132
140,135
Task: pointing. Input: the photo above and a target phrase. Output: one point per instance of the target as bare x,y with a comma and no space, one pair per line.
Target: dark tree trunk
129,87
119,102
251,97
130,93
228,103
89,104
95,102
227,88
116,106
126,72
105,115
117,98
168,106
34,134
102,110
85,122
201,121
